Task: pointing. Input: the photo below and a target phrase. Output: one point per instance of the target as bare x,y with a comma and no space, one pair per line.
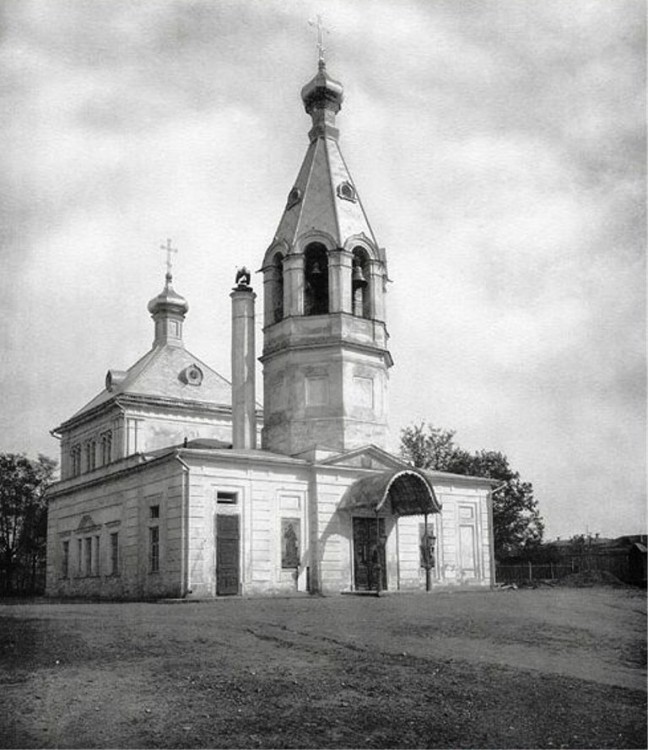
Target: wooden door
227,554
367,550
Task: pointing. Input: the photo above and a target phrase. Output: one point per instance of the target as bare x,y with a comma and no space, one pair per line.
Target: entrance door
227,554
365,554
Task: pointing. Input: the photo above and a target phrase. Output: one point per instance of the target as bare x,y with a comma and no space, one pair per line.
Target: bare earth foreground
532,668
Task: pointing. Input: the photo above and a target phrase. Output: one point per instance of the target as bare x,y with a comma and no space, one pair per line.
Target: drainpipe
491,532
428,582
184,529
378,556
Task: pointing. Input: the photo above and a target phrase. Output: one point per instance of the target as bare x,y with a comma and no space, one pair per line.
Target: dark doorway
367,551
227,554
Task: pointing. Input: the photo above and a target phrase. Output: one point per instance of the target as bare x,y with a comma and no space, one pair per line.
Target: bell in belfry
358,277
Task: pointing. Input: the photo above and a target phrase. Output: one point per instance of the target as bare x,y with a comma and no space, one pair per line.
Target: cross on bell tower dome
325,354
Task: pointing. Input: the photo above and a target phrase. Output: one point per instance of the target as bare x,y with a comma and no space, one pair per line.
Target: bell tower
325,357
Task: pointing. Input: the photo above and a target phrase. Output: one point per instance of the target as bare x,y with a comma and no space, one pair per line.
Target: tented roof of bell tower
324,197
321,203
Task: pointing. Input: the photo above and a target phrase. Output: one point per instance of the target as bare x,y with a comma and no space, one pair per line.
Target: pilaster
271,276
376,288
340,266
294,285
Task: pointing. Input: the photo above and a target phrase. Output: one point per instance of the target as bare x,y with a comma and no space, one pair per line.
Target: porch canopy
409,491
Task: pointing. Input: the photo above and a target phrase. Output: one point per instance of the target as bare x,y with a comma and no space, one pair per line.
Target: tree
518,527
23,520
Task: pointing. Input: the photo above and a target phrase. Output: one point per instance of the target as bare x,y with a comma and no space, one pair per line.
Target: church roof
324,196
321,183
168,372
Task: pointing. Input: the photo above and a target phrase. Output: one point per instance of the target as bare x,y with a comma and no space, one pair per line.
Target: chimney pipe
243,363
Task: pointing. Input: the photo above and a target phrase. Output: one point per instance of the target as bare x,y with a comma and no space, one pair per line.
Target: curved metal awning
409,491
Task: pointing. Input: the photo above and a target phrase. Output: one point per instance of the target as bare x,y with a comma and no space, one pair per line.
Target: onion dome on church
322,97
322,88
168,310
168,300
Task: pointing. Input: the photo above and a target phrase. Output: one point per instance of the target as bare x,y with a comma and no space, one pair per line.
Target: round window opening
294,196
193,375
347,191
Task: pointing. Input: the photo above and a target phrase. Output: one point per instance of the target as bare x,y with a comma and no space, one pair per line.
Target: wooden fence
616,564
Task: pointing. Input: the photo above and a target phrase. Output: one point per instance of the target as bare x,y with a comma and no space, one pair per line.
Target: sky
498,147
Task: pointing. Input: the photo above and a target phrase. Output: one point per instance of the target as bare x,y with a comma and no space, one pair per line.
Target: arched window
278,289
316,292
75,454
106,448
91,455
360,284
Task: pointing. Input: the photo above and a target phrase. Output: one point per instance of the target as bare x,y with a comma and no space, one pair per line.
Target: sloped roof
322,172
158,374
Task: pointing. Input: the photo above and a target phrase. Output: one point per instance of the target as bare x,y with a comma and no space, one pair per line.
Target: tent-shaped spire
324,196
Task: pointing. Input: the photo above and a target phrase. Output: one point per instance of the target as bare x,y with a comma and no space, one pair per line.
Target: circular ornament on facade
346,191
192,375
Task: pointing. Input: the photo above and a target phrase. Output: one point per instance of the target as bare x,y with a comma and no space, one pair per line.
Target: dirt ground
544,668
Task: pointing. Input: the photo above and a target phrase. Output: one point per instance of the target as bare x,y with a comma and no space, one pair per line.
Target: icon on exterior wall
290,542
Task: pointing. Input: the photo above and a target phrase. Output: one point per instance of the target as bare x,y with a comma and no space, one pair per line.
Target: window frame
154,549
87,556
114,553
65,558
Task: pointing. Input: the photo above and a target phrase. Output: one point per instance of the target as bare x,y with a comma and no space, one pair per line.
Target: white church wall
464,548
150,430
89,516
334,534
265,495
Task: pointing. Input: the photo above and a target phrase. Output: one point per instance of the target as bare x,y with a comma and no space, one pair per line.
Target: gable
162,373
367,457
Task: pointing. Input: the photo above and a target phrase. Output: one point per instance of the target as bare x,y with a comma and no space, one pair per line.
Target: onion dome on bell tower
322,97
168,310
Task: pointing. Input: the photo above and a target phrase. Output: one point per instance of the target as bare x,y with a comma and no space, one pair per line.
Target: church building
176,483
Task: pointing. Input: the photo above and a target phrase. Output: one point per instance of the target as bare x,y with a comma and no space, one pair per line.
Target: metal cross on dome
321,30
169,251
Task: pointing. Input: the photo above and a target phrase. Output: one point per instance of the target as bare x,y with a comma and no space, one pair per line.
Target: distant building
164,491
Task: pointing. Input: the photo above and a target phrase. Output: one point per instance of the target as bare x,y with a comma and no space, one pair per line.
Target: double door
369,553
